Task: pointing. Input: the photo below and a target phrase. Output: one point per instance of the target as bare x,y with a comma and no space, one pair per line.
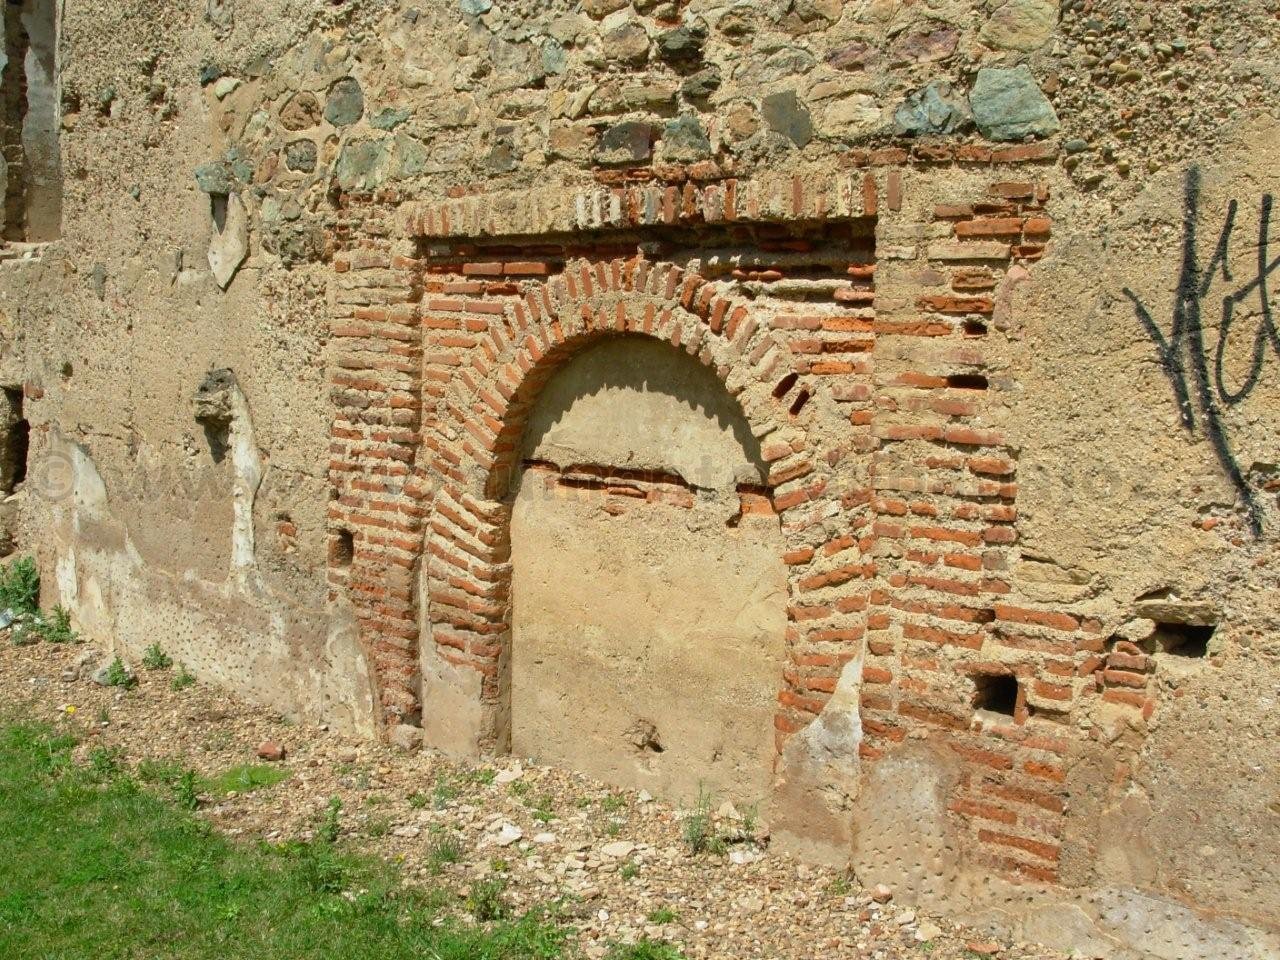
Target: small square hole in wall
1190,640
342,549
996,693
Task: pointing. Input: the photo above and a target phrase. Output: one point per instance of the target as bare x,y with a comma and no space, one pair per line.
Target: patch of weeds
750,820
699,830
104,717
441,852
542,808
118,675
104,763
418,800
663,915
613,828
246,778
444,792
154,658
839,887
520,789
498,865
56,628
485,901
330,826
480,776
181,679
164,772
630,870
324,870
20,587
645,950
374,800
377,827
187,790
613,803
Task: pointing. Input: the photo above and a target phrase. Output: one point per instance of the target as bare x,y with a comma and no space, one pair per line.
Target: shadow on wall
625,402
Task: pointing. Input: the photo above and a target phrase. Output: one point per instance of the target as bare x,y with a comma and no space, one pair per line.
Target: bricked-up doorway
649,595
476,451
851,317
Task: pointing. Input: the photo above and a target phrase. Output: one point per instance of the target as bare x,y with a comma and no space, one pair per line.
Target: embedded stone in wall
300,155
229,244
345,104
626,143
785,114
300,111
1021,24
1009,105
937,109
684,141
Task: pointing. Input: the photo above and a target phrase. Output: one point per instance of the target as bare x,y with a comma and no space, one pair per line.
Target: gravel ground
620,859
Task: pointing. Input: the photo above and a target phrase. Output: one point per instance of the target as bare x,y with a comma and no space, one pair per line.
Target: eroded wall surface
649,609
987,281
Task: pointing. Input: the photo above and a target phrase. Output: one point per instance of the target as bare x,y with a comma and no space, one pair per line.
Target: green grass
97,865
246,778
645,950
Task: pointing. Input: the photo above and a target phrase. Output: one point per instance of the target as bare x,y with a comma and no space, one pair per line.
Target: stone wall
984,281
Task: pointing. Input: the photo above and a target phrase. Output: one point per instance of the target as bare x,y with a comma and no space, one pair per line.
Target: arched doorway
649,597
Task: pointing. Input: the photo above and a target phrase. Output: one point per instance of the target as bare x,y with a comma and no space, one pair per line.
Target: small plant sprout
118,675
154,658
20,587
182,679
56,628
330,826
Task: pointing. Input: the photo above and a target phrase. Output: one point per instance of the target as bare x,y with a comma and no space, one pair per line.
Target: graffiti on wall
1196,369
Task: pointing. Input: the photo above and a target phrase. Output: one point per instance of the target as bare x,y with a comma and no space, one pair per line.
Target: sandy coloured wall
1024,224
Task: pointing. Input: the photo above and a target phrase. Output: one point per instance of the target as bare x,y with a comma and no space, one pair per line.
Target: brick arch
474,447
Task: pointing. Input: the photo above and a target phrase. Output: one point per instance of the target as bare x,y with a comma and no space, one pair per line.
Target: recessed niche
996,693
1187,640
342,549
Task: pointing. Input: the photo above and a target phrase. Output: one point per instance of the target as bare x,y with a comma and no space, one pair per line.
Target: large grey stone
628,142
701,84
685,141
345,104
937,109
1007,104
681,45
216,177
389,118
785,114
362,165
300,155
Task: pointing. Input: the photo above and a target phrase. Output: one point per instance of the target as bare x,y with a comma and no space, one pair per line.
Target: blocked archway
649,595
476,454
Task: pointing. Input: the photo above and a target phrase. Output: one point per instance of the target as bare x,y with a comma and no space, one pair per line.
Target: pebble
508,834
